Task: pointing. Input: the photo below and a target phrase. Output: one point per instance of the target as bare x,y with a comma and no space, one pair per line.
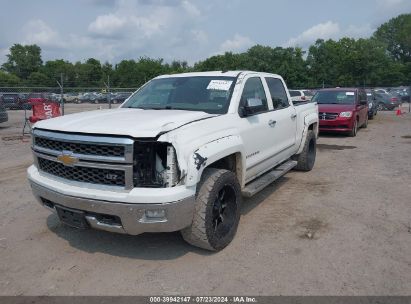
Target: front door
262,132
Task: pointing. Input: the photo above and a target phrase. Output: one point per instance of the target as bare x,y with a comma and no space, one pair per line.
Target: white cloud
329,30
38,32
106,25
190,8
129,29
237,43
325,30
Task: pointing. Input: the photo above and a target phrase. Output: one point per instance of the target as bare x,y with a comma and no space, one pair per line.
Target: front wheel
306,159
217,210
354,129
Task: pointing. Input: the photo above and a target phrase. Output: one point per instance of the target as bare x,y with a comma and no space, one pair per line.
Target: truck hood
123,121
335,108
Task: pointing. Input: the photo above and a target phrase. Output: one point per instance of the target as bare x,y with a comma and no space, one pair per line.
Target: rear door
284,114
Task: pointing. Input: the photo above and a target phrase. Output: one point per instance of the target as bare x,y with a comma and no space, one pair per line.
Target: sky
190,30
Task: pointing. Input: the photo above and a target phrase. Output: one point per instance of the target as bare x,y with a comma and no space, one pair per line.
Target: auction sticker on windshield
220,85
349,93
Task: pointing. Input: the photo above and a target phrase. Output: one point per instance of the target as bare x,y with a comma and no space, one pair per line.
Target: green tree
396,35
54,69
39,79
23,60
88,74
8,80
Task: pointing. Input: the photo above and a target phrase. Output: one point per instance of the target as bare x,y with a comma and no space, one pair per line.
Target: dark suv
372,104
3,113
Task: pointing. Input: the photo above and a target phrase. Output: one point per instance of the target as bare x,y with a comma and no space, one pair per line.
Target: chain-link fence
18,98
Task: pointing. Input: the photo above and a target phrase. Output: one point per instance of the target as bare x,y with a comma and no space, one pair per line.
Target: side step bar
267,178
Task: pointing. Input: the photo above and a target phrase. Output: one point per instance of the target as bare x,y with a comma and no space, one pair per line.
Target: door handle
293,116
272,123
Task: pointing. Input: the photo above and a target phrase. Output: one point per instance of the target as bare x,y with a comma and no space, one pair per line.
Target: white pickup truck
178,154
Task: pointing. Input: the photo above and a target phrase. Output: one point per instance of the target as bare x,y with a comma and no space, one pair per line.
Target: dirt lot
342,229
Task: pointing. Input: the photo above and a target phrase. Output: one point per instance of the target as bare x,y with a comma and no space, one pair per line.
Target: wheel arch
310,123
212,155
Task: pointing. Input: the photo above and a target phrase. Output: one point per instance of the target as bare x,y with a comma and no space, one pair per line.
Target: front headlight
345,114
370,105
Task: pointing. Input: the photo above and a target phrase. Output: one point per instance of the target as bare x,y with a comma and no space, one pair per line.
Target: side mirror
252,105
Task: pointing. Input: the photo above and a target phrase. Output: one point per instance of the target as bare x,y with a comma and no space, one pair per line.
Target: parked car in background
120,97
342,110
70,97
88,97
381,91
386,101
403,93
372,105
300,95
11,101
3,113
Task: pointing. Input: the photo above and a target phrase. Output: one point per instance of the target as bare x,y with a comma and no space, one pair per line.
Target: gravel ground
342,229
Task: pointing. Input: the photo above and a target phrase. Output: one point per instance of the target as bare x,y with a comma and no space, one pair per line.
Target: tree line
384,59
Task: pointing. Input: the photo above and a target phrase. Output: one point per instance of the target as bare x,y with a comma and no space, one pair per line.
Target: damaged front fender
210,153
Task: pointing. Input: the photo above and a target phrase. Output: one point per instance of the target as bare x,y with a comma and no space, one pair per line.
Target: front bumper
339,124
130,207
133,218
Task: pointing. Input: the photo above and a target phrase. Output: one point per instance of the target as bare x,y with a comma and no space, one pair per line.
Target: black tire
365,124
354,130
371,116
306,159
217,210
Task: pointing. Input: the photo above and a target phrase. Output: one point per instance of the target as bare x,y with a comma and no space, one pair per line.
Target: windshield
203,93
334,97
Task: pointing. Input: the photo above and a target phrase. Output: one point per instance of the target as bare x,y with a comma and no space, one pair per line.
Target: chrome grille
98,160
327,116
83,174
80,148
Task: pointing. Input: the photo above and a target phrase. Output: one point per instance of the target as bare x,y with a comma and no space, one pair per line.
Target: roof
340,89
214,74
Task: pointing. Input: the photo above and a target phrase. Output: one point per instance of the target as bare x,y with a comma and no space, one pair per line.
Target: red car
342,110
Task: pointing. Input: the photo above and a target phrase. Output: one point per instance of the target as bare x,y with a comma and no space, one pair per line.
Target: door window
254,91
278,93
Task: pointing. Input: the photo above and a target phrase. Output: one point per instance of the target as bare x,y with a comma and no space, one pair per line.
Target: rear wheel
306,159
217,210
354,129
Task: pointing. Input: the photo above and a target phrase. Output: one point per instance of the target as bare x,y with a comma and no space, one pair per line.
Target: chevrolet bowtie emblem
67,158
